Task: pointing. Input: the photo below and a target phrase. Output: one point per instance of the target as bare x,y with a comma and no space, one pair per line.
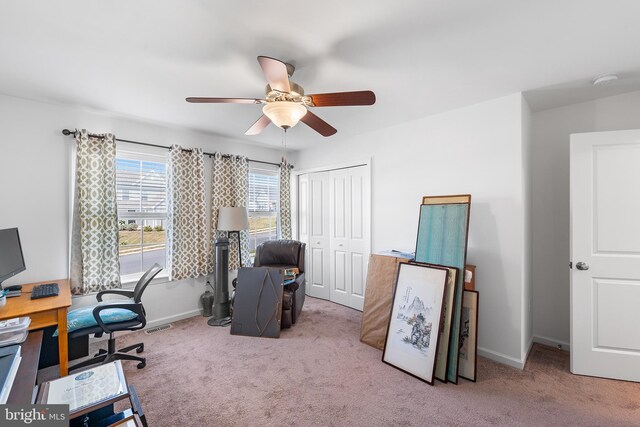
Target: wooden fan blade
276,73
363,97
223,100
258,126
317,124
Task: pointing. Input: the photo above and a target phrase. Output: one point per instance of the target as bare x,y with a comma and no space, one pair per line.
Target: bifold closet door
313,192
348,193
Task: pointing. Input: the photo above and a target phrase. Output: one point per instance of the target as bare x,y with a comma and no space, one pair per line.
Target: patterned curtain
186,214
95,263
285,200
229,189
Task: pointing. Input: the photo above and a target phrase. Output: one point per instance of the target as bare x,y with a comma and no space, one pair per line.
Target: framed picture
443,228
468,352
416,315
442,359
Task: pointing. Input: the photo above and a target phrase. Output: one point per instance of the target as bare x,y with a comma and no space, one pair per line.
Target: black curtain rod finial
67,132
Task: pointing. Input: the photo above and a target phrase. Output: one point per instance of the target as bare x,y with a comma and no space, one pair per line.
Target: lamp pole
239,248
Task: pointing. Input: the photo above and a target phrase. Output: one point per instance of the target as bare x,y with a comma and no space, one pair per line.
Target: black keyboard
46,290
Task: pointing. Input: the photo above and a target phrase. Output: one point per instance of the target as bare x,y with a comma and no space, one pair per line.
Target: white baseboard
156,322
551,342
501,358
173,318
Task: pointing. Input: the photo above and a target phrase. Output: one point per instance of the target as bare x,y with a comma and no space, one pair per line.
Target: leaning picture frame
443,228
468,352
442,359
416,315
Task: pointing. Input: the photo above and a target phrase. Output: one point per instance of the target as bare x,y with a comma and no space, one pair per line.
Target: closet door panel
338,206
318,201
357,281
358,235
357,205
318,261
340,279
319,235
339,231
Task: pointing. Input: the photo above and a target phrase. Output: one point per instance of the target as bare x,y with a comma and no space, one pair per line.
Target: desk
44,312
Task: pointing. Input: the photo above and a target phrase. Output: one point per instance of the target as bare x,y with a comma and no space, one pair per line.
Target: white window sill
129,281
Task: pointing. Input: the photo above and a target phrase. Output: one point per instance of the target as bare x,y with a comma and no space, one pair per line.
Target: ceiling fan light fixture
284,114
604,79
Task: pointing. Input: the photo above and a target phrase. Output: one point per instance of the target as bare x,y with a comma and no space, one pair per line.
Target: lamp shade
233,219
284,114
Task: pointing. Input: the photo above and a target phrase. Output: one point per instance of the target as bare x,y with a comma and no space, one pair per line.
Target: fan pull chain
284,146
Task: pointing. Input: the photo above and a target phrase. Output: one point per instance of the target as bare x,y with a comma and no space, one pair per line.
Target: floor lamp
233,220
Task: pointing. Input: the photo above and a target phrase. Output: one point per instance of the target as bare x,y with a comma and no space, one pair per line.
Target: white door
318,238
349,238
605,252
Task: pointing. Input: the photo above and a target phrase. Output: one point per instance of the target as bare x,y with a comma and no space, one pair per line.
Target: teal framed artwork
442,239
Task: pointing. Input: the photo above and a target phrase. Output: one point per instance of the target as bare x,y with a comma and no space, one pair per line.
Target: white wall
477,150
550,202
35,179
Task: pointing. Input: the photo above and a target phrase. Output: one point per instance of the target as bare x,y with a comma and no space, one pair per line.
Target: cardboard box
381,278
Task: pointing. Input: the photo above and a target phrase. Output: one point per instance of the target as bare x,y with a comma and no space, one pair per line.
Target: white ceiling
142,58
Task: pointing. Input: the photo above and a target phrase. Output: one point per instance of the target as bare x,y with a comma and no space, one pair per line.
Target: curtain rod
67,132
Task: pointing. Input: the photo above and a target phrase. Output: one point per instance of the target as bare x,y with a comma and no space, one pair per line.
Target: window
264,196
141,192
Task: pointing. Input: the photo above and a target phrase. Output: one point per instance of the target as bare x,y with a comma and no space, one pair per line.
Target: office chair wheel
140,349
142,364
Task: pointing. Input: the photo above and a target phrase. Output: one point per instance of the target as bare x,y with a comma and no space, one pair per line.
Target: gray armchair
285,254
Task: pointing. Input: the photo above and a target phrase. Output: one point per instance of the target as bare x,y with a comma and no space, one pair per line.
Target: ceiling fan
285,103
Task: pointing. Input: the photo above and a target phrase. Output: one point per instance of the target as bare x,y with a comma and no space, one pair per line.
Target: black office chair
134,304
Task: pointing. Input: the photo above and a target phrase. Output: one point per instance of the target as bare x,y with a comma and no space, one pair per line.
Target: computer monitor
11,258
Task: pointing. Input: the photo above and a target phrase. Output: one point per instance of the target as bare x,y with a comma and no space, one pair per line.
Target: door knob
582,266
317,243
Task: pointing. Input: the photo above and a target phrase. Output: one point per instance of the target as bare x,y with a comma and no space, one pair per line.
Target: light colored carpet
319,373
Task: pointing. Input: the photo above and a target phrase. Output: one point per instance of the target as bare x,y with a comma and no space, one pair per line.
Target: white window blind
141,193
264,196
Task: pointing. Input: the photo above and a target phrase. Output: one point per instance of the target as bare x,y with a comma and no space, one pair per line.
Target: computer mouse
13,288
